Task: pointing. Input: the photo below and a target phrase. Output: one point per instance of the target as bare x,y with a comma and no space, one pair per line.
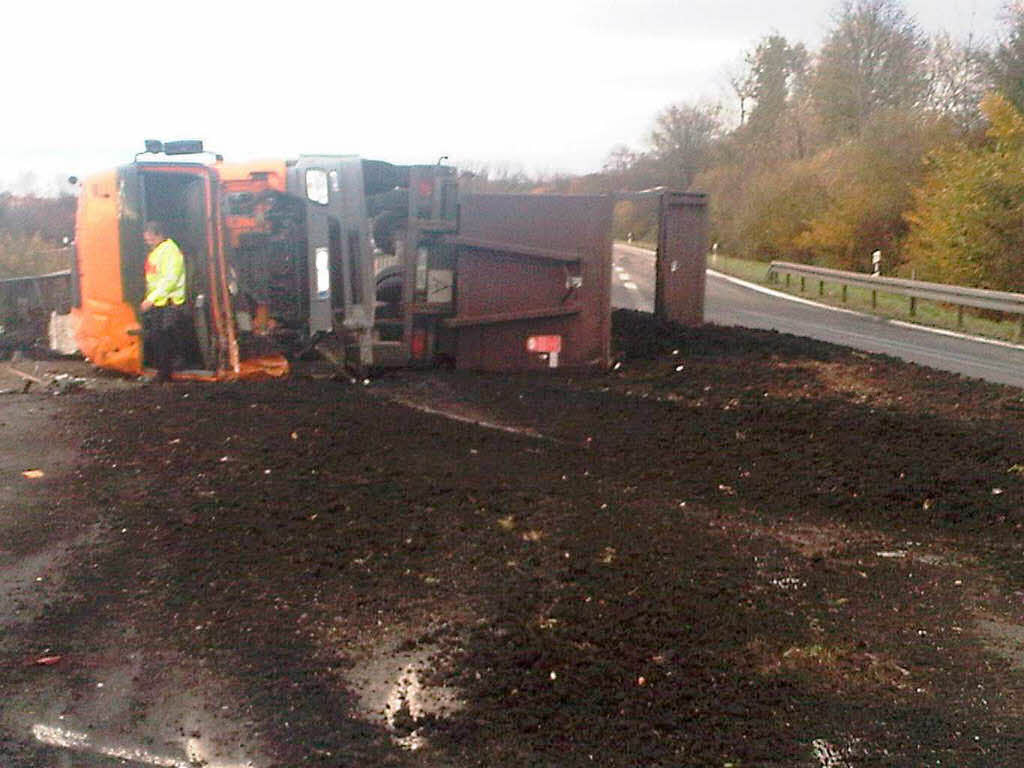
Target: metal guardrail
959,296
30,278
23,297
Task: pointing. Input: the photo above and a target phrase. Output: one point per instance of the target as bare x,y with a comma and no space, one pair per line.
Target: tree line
882,139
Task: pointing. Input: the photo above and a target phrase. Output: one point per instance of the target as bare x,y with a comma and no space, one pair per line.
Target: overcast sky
538,85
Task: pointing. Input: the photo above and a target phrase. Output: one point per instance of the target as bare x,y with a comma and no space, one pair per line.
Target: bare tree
1007,64
959,75
744,87
874,58
681,139
620,160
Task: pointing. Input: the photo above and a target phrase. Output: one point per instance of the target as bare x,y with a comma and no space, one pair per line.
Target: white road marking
67,739
899,323
799,300
624,275
957,334
868,339
631,286
59,737
782,295
872,342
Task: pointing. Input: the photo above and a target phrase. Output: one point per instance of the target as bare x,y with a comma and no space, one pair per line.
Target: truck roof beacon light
154,146
184,147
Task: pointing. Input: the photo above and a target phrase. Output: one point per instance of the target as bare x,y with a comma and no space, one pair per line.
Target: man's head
154,233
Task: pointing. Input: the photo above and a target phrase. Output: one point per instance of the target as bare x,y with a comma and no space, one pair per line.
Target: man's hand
146,305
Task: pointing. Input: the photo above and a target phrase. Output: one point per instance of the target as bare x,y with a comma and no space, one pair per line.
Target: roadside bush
869,183
967,219
639,218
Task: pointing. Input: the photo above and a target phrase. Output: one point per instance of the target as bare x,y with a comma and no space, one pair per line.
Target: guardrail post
960,317
1020,328
913,306
844,293
874,299
787,279
821,287
803,284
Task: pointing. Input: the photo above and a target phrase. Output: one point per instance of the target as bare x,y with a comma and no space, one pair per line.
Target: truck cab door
310,180
340,255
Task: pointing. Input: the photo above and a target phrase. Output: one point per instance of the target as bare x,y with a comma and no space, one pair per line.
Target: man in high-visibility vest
163,307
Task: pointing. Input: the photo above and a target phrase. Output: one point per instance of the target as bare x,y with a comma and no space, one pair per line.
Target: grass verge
888,305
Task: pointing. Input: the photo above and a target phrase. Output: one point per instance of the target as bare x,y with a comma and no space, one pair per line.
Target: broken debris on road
593,597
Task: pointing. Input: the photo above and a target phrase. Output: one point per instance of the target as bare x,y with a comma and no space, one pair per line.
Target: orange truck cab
280,255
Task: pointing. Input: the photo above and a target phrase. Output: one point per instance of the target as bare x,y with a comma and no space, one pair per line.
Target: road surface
730,302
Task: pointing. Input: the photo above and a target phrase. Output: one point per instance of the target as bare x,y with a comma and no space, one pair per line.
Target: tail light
425,198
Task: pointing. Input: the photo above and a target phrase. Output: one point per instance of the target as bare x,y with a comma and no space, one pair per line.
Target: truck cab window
317,189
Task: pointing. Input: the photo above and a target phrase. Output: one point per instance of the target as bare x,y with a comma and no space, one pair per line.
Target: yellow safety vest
165,274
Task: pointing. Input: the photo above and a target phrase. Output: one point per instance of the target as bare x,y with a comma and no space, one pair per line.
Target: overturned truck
371,263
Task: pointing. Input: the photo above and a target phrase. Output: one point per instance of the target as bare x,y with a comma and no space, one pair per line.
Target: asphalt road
728,302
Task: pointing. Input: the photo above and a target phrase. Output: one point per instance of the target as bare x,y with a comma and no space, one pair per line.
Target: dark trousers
163,326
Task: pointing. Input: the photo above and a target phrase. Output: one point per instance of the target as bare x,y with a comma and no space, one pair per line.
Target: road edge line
789,297
878,318
889,321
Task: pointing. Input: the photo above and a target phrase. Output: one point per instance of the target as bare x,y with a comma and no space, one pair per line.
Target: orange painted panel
108,335
275,170
104,319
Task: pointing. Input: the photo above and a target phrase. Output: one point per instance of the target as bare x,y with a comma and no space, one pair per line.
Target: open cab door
184,198
111,257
